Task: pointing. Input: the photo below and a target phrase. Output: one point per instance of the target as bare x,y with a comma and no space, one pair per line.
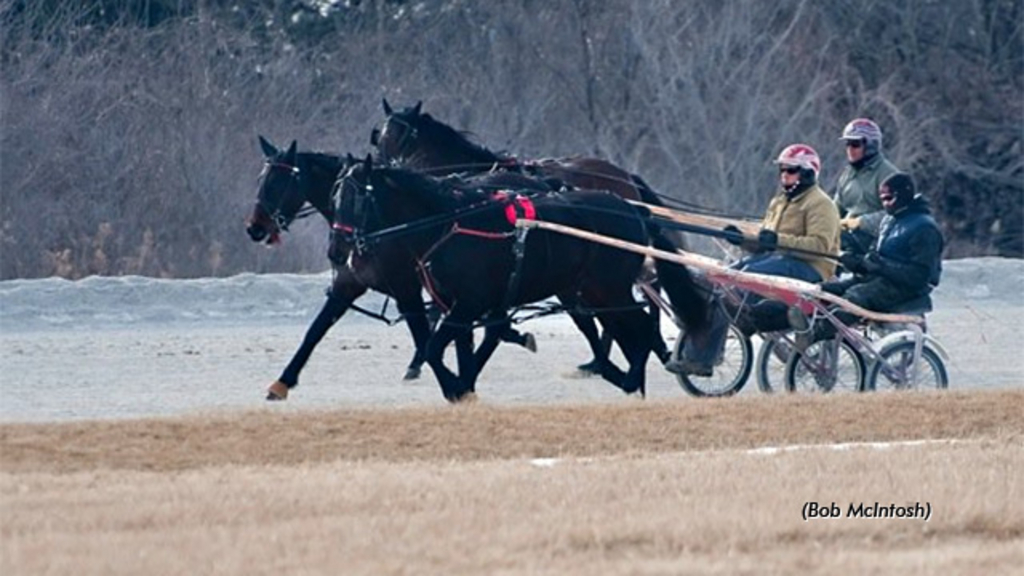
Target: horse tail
688,300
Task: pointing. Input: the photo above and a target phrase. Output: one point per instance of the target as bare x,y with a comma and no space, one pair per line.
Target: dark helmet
866,131
896,192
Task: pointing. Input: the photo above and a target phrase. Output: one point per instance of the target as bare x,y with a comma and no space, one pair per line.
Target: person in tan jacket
800,227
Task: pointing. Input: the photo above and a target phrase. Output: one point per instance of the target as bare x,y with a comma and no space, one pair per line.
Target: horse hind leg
658,345
631,331
600,345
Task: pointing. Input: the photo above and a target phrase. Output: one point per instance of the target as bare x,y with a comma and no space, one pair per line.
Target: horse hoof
529,342
411,373
277,391
467,398
592,368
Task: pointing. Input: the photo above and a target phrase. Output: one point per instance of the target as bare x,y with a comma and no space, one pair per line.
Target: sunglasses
789,169
854,143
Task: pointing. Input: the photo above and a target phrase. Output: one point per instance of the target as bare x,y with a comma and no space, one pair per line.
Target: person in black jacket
903,266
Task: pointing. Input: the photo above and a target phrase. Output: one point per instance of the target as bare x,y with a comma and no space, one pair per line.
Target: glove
767,240
853,262
837,288
733,235
872,262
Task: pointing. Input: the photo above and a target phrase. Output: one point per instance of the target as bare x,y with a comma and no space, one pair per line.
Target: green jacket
808,222
856,193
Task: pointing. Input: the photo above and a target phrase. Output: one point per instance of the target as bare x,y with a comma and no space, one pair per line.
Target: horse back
589,174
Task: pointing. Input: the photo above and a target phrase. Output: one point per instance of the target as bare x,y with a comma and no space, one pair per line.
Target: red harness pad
521,207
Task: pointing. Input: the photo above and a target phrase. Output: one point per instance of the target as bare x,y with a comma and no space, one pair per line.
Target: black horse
467,247
414,139
291,180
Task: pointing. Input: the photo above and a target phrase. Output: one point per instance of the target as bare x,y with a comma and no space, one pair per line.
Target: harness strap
519,251
427,280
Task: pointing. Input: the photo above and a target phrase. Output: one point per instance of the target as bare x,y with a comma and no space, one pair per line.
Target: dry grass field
657,487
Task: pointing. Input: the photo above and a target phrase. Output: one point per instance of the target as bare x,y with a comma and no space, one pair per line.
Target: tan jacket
808,222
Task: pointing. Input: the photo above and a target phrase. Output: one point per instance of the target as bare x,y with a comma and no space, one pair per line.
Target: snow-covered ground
135,347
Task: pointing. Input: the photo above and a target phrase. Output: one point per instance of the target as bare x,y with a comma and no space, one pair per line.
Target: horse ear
290,154
416,108
387,107
349,159
368,162
269,150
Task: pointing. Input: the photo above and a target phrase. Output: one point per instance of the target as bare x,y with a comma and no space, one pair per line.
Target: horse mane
439,193
328,161
445,136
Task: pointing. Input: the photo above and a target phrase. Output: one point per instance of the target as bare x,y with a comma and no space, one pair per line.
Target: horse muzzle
259,233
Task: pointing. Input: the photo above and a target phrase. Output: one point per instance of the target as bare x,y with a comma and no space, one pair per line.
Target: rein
714,233
416,225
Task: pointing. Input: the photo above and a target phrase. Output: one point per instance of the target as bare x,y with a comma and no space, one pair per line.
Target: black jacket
909,249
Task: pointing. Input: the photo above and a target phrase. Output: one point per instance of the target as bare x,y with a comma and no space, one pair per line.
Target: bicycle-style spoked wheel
895,369
731,371
828,366
772,357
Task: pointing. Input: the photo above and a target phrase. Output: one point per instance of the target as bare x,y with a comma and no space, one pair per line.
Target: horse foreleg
451,385
333,309
419,326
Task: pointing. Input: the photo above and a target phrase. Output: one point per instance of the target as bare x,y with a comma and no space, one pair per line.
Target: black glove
767,240
872,262
733,235
853,262
837,288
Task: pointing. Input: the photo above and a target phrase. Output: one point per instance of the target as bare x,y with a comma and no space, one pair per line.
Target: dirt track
630,487
476,432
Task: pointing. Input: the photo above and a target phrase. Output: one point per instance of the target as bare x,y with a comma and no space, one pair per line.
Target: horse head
370,197
396,138
281,194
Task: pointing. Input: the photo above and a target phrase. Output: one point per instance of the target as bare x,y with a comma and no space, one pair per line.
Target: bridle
350,232
275,214
409,135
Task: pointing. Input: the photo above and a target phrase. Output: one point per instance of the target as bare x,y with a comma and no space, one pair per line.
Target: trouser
877,294
759,314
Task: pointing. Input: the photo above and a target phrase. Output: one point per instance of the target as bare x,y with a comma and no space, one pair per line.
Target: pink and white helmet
800,155
862,129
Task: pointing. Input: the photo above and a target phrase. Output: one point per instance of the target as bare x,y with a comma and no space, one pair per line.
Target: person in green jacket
856,192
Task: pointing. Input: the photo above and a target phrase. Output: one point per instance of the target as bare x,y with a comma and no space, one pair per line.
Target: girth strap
518,251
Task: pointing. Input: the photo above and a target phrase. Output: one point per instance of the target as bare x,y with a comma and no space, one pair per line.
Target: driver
902,267
801,217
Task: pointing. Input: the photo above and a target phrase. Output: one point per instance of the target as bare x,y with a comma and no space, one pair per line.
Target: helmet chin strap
797,187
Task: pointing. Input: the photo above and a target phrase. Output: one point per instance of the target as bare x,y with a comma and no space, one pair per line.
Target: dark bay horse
414,139
293,179
467,248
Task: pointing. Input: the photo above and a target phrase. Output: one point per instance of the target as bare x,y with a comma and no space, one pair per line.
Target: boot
803,335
